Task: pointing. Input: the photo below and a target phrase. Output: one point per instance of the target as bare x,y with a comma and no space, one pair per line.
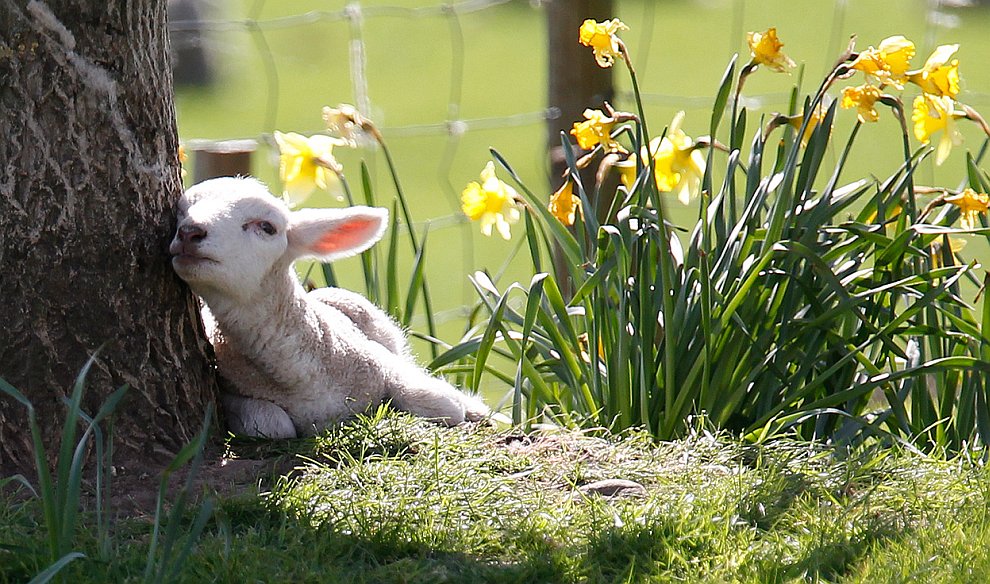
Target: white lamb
294,363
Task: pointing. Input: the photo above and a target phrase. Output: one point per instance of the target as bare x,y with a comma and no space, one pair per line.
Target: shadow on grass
379,434
645,552
259,539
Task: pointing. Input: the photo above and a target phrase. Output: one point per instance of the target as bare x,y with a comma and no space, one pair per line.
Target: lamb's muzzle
317,357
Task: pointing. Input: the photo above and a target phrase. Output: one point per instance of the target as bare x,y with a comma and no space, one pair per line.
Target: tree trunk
88,175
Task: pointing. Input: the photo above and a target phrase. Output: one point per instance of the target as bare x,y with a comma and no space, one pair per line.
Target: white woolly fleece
294,362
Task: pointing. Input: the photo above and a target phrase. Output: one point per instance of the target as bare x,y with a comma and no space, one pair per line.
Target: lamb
293,363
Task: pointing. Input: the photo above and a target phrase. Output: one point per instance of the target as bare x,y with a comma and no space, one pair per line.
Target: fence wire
190,33
356,13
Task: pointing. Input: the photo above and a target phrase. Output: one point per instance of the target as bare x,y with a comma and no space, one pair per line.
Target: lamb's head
233,235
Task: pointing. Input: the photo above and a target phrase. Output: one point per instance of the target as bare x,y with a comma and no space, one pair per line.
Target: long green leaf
488,339
51,571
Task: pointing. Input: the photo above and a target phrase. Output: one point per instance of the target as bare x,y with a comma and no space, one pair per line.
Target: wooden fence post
224,158
576,82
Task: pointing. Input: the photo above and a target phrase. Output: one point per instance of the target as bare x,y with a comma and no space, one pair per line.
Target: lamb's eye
265,226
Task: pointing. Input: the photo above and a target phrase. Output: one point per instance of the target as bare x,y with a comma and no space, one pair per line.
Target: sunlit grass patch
711,507
388,497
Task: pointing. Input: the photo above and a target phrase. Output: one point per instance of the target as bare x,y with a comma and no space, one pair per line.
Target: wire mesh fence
446,80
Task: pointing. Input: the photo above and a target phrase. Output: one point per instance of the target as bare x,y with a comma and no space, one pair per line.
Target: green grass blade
68,442
51,571
391,269
488,339
154,570
192,536
46,487
416,281
533,300
722,96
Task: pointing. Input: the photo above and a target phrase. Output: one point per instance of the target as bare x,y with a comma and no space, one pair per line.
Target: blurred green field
488,68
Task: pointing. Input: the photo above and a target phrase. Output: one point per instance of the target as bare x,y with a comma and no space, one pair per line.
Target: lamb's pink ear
330,234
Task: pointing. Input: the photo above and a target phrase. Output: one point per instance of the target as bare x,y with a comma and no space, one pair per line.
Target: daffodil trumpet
971,204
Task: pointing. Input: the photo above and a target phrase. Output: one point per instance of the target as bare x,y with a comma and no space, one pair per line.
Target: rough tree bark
88,174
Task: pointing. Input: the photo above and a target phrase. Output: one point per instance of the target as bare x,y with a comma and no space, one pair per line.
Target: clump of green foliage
798,302
61,497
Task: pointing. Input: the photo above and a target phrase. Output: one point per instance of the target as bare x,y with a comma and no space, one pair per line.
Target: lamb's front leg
258,418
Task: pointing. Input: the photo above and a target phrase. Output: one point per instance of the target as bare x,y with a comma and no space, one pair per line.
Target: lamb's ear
330,234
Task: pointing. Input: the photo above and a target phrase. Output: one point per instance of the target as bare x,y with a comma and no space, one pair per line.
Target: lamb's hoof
257,418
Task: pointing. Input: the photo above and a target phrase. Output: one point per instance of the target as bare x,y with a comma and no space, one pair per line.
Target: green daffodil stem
912,209
636,93
743,75
413,240
345,185
973,115
406,216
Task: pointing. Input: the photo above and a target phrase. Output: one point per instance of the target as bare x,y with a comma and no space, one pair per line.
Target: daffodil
933,114
971,204
306,164
585,348
765,48
492,202
347,122
956,245
864,98
600,36
627,170
940,75
817,115
564,204
678,165
888,63
594,130
182,159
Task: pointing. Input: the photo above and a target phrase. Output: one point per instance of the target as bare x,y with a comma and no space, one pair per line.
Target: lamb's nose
191,234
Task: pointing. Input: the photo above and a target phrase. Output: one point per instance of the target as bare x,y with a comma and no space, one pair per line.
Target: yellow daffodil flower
594,130
306,164
956,245
600,36
678,165
816,119
888,63
585,348
939,76
765,48
932,114
971,204
492,202
564,204
182,159
864,98
627,170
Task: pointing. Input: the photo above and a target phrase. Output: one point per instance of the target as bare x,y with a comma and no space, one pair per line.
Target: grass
388,498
